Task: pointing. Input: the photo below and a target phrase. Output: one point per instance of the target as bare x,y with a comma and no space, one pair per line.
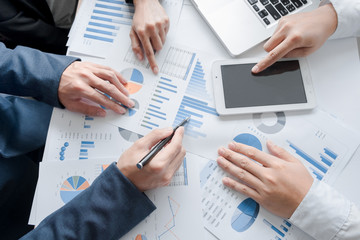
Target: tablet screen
279,84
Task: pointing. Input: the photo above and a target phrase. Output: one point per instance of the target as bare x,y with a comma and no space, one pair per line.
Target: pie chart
248,139
129,135
140,237
244,215
135,79
134,110
71,187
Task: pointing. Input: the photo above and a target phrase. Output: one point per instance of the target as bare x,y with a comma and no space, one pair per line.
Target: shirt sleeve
108,209
325,214
348,13
30,72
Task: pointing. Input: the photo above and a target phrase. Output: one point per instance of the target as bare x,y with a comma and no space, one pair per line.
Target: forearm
326,214
108,209
29,72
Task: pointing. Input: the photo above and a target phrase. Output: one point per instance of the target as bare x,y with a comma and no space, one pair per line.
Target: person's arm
326,214
348,15
282,185
31,24
149,28
62,81
115,202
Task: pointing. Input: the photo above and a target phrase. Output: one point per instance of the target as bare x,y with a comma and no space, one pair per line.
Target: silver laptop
242,24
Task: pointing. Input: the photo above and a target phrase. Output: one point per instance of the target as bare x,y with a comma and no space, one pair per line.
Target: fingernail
221,150
121,110
270,143
131,103
220,159
139,56
255,69
232,145
156,70
100,113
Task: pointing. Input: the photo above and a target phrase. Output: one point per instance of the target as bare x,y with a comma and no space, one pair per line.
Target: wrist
331,17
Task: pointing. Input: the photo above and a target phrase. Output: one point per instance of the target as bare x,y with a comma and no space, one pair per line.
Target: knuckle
243,163
156,168
141,32
150,27
295,38
251,153
240,174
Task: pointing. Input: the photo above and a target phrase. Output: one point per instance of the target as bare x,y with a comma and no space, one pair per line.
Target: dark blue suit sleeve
29,72
108,209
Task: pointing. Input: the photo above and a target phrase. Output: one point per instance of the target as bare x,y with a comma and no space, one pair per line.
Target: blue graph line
167,89
173,219
100,31
308,158
274,228
330,153
110,20
113,1
98,38
103,25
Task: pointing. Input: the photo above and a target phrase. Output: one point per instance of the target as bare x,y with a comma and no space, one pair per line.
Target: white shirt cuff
322,213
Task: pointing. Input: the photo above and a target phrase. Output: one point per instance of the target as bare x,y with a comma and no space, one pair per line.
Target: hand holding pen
160,170
159,146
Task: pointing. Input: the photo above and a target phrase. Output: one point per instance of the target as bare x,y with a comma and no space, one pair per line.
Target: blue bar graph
330,153
196,109
111,20
102,25
325,160
87,118
284,228
123,9
87,144
113,1
98,38
197,83
185,172
94,30
308,158
274,228
287,223
318,175
112,14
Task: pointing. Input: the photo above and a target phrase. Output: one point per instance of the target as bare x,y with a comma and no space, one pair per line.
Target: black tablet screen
279,84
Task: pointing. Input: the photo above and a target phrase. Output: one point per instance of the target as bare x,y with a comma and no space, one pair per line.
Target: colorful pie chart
135,79
71,187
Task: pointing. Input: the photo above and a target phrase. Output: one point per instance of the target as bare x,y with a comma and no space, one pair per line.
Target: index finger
274,55
149,52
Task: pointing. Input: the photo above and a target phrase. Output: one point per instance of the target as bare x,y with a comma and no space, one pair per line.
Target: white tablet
284,86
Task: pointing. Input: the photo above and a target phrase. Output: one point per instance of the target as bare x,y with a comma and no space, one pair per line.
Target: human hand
160,170
299,35
279,184
149,28
79,84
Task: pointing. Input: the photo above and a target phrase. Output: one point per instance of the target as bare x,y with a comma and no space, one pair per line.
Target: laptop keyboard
270,11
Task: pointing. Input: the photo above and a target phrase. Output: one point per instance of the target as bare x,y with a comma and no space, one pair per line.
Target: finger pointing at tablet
297,36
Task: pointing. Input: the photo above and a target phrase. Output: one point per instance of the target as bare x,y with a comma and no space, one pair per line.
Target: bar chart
161,98
106,19
195,103
319,165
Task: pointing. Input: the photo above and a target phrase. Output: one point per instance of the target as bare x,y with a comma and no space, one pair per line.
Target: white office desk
336,73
